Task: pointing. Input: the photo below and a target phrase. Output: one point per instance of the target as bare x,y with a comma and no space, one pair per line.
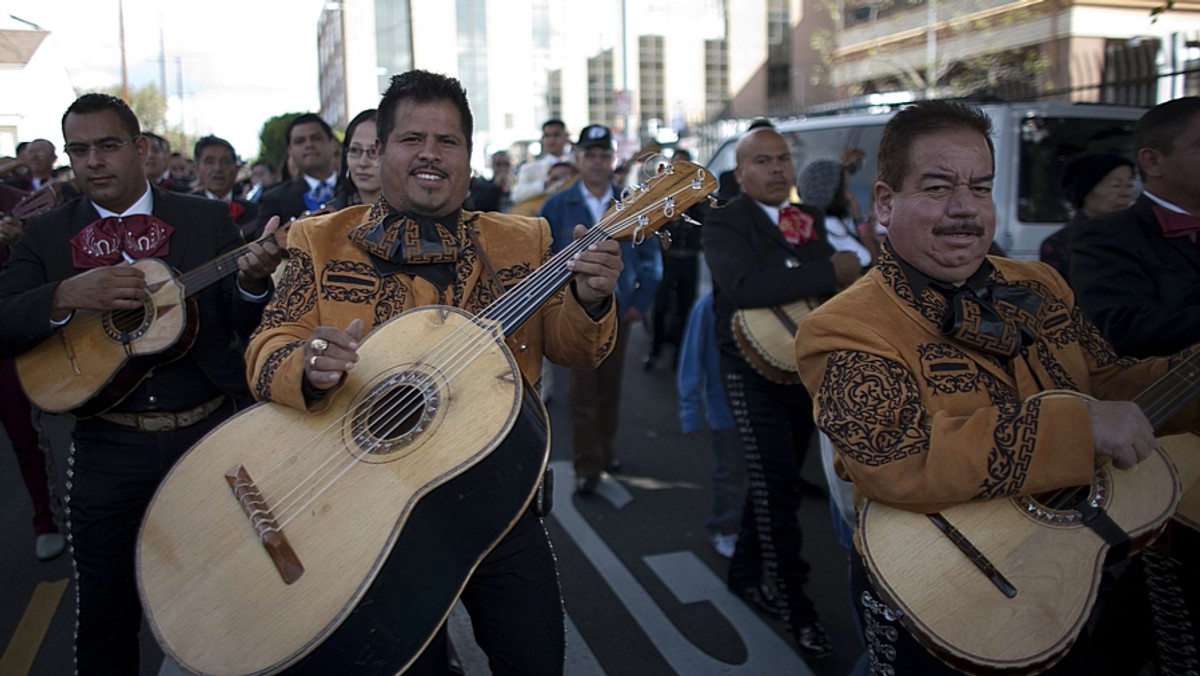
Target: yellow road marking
27,639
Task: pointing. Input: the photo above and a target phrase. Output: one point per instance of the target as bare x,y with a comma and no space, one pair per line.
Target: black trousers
776,426
114,471
516,610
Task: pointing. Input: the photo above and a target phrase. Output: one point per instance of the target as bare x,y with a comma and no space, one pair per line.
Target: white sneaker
724,543
49,545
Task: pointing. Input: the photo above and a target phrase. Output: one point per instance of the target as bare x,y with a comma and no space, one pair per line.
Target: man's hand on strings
260,260
596,270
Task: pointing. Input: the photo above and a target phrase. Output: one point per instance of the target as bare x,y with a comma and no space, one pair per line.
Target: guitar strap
1103,525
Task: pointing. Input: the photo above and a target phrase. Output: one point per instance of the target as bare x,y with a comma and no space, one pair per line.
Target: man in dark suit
1136,271
216,171
595,394
762,252
314,150
74,261
39,159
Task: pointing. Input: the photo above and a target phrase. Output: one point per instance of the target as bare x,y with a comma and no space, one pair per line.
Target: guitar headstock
645,208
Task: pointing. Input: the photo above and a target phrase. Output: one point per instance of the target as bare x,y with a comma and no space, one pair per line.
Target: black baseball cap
595,135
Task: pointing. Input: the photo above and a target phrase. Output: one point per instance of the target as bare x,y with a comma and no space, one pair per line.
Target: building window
716,77
779,53
602,103
554,94
1130,72
652,95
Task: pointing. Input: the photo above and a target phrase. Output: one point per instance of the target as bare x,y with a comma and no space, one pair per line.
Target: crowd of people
921,369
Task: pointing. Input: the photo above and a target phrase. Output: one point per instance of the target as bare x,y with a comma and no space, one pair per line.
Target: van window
1046,145
823,144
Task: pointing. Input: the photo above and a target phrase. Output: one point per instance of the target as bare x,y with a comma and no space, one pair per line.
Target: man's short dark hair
760,123
162,142
97,103
554,122
1161,124
422,86
22,146
209,141
922,119
306,118
265,163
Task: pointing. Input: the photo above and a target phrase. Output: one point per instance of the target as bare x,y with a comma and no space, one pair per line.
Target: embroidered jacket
350,288
923,422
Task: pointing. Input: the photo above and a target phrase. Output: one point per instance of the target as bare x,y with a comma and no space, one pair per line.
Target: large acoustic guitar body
767,338
1052,559
339,541
98,358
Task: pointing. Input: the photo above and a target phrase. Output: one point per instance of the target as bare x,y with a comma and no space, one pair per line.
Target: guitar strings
547,278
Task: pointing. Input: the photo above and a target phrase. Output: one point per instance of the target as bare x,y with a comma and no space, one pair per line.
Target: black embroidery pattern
266,375
946,369
930,304
392,298
1060,379
1094,343
295,295
1009,460
871,409
349,282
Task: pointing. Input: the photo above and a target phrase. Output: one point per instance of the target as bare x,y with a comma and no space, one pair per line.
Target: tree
273,139
150,106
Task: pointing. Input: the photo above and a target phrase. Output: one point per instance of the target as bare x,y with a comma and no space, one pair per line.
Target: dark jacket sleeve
1137,286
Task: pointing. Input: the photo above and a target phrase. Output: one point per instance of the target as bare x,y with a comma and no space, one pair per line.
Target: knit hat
1083,172
818,182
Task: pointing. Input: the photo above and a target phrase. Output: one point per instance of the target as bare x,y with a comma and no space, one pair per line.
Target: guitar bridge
264,523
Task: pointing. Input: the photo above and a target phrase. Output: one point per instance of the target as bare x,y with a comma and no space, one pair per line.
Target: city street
644,590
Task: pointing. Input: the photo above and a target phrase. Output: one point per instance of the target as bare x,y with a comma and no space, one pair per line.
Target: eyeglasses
81,151
355,152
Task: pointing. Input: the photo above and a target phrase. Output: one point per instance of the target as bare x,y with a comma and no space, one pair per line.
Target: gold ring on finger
312,361
319,345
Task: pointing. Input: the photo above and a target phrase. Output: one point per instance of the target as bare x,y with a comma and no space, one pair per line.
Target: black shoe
586,485
813,640
761,599
613,466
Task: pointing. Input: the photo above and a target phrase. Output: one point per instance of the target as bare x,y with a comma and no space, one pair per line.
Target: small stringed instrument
767,338
99,357
1007,584
337,542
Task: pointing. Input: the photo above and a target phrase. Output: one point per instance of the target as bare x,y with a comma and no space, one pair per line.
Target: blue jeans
728,481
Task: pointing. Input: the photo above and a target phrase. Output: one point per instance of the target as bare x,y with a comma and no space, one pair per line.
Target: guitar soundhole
128,325
1059,508
396,415
398,411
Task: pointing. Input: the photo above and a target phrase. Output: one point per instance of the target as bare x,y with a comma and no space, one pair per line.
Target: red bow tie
236,210
796,225
103,241
1176,224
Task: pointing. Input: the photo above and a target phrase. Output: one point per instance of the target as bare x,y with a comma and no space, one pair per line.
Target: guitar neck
1171,392
515,307
195,281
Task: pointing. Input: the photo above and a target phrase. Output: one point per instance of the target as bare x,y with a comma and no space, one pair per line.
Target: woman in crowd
358,182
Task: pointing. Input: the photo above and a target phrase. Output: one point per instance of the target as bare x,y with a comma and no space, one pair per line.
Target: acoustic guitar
99,357
337,542
1007,584
35,202
767,338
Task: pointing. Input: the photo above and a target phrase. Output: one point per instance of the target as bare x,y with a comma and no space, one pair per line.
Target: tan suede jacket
923,422
330,281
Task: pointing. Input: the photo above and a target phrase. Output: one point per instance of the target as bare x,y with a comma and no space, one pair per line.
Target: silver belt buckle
158,424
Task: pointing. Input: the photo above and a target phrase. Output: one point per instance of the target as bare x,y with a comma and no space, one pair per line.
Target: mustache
426,166
960,228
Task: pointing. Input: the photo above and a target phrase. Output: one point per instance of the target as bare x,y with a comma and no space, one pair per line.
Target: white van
1033,141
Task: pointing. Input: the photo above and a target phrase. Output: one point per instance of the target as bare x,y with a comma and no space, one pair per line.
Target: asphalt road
643,589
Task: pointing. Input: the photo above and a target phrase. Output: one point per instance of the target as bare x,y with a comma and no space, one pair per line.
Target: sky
242,61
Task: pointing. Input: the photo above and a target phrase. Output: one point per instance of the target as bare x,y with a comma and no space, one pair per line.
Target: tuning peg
688,219
664,239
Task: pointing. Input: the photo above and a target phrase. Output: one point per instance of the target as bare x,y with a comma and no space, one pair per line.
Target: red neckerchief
103,241
1175,223
796,225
